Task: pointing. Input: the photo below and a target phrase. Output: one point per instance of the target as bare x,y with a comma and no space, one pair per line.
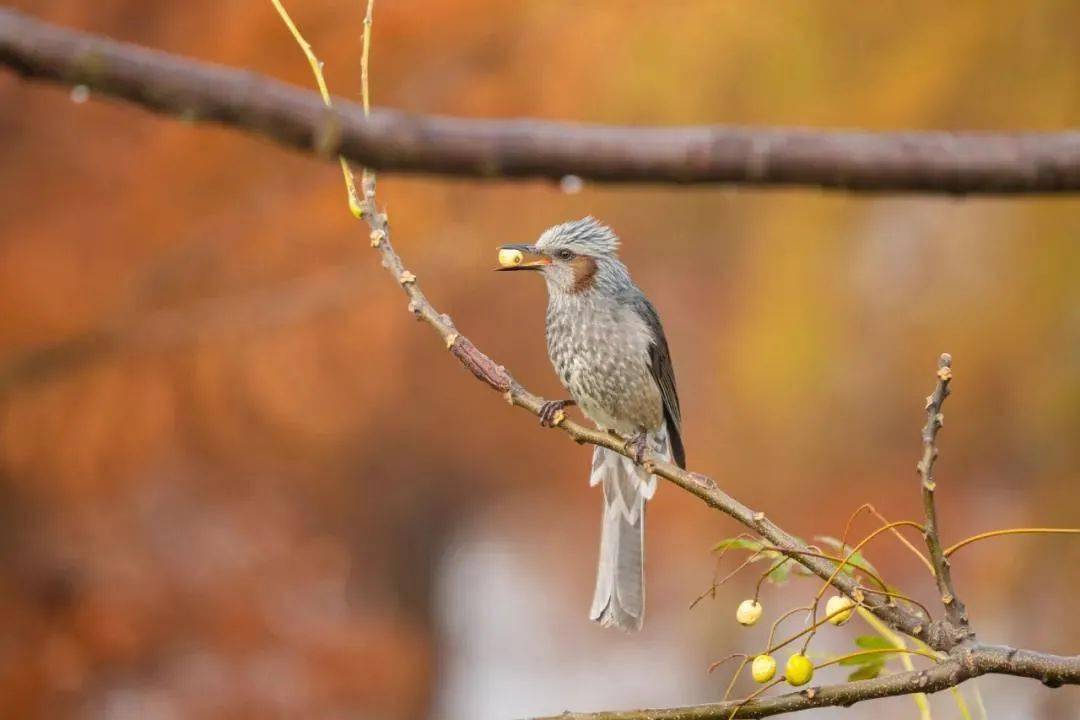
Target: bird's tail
619,598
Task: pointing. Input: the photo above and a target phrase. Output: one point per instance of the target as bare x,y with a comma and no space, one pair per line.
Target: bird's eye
564,255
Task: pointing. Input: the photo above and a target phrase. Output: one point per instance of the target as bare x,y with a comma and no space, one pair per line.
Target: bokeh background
237,480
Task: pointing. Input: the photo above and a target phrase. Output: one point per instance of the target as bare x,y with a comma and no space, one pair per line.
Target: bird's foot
551,412
638,444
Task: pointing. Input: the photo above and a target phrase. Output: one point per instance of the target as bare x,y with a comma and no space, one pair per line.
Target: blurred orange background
237,480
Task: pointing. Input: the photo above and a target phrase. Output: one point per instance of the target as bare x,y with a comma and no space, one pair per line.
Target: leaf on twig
843,549
873,642
738,543
778,575
862,660
868,671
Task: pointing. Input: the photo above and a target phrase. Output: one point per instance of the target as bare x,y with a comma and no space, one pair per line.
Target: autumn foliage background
236,480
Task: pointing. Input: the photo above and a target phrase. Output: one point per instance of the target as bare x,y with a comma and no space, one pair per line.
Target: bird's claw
551,412
637,444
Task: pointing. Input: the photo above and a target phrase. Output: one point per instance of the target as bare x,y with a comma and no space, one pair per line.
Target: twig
717,663
896,533
1011,531
848,562
879,651
937,162
809,629
955,614
900,596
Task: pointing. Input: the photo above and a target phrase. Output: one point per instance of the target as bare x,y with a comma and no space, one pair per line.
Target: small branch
936,162
900,596
955,614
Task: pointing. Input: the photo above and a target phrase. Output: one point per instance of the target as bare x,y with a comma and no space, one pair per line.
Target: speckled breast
600,351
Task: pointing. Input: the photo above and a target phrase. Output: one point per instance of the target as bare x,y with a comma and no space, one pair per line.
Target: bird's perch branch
939,162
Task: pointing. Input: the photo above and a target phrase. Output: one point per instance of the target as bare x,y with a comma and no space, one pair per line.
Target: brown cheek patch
584,271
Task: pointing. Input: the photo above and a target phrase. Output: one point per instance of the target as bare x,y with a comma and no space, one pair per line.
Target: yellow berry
749,612
799,670
509,257
839,609
763,668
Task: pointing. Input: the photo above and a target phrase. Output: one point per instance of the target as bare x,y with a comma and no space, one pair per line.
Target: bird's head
573,257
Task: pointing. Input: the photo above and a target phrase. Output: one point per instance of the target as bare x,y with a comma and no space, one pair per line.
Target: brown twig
878,651
869,507
841,561
939,162
955,614
1010,531
900,596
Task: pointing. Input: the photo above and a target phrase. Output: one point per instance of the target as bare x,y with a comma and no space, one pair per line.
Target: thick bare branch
965,664
940,162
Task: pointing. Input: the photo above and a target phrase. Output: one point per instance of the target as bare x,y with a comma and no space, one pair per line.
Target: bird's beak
508,252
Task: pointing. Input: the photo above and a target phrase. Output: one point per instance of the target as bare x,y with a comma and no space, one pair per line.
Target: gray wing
663,373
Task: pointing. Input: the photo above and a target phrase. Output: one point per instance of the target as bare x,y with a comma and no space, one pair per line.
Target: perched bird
608,347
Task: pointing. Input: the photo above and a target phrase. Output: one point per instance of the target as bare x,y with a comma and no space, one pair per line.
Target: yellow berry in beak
749,612
509,257
839,609
763,668
799,670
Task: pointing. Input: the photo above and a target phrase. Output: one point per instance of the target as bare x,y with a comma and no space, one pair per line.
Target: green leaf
873,642
867,672
779,575
738,543
844,550
863,660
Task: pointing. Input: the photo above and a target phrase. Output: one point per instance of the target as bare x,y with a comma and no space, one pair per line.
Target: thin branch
842,561
879,651
955,614
900,596
1011,531
939,162
896,533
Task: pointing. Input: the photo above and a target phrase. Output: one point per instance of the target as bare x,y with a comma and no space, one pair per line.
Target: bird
607,345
